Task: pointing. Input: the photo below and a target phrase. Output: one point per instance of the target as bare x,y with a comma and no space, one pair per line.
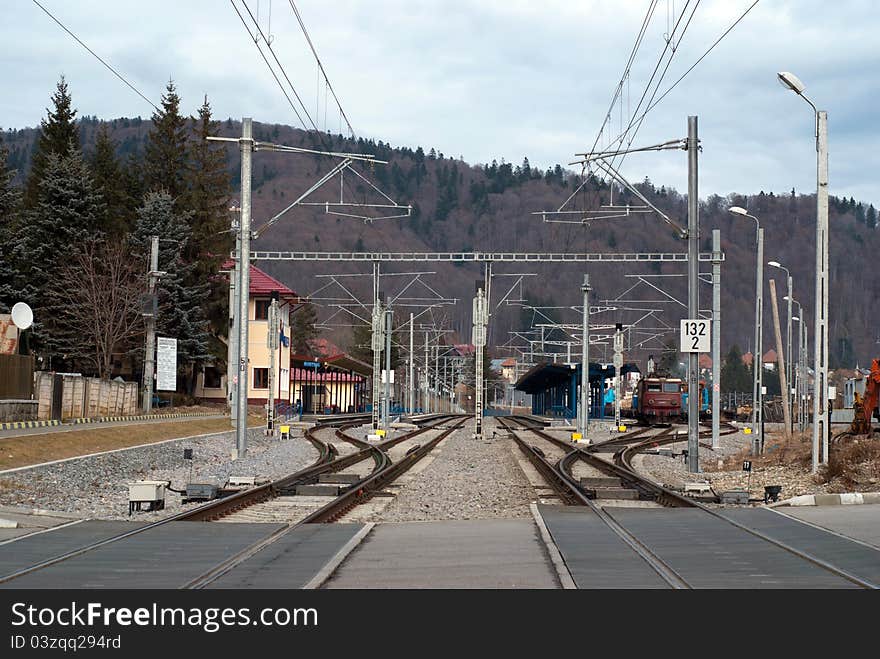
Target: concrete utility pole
821,419
412,360
480,319
618,380
789,357
387,406
584,405
377,343
716,338
246,144
693,144
780,355
272,344
427,407
150,357
232,343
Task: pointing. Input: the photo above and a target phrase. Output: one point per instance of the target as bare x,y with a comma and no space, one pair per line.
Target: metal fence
16,377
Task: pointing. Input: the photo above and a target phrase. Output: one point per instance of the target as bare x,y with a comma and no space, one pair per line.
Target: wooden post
780,356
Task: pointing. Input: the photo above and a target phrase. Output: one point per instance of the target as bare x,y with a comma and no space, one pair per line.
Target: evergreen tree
58,134
68,213
10,197
303,329
180,304
734,373
165,156
207,198
108,173
871,217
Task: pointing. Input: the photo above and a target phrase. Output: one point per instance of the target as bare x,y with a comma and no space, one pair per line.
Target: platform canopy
546,375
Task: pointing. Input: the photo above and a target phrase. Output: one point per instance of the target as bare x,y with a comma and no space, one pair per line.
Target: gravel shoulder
467,479
97,487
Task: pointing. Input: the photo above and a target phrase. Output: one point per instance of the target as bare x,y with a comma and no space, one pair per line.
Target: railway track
572,492
327,462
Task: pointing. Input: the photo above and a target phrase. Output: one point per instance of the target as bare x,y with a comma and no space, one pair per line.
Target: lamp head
774,264
795,318
737,210
791,81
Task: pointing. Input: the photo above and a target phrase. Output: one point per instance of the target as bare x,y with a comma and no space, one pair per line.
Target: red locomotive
657,399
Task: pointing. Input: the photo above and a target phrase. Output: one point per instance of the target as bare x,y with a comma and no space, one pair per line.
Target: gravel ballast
97,487
468,479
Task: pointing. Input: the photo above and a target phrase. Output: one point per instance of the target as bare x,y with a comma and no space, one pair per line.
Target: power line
96,56
694,65
321,66
269,65
638,123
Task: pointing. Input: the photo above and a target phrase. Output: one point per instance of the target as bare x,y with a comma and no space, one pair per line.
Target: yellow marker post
380,432
621,428
576,436
285,432
747,431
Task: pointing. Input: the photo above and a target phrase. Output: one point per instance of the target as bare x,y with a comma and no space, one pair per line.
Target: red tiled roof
747,359
510,361
770,356
263,284
705,361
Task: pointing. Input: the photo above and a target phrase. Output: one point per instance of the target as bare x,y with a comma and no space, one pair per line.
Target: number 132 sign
695,336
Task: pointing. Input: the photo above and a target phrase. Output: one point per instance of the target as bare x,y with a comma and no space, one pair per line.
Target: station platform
484,553
168,556
711,553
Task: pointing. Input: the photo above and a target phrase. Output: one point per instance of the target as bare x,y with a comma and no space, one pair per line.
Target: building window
261,378
212,378
261,309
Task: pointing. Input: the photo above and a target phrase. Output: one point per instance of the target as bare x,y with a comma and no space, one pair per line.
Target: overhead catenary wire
97,57
308,37
654,104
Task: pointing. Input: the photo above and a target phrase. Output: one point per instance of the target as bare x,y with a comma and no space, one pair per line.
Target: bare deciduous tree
98,304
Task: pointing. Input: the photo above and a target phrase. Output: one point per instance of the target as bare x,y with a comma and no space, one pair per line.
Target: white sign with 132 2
695,336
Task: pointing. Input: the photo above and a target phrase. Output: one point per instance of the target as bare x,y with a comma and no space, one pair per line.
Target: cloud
489,79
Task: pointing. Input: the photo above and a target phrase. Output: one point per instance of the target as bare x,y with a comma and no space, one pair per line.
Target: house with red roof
212,383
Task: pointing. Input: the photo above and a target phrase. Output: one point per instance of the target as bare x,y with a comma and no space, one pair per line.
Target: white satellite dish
22,315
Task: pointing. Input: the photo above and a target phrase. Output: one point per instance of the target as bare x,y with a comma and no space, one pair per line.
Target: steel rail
344,502
219,507
665,571
672,498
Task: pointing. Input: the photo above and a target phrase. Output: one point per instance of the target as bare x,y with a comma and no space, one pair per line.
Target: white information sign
166,364
695,336
385,376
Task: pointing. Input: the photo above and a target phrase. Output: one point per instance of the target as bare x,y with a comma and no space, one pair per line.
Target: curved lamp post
758,354
821,418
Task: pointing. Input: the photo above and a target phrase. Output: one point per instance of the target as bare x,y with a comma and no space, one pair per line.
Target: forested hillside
459,206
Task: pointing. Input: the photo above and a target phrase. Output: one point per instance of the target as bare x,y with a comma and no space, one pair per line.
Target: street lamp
820,350
788,355
801,372
757,356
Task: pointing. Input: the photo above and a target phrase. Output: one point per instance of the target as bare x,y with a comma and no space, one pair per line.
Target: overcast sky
489,79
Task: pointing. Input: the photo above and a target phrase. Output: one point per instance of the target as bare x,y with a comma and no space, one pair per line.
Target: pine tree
10,196
58,134
871,217
109,176
734,373
165,156
68,213
303,329
180,305
207,198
